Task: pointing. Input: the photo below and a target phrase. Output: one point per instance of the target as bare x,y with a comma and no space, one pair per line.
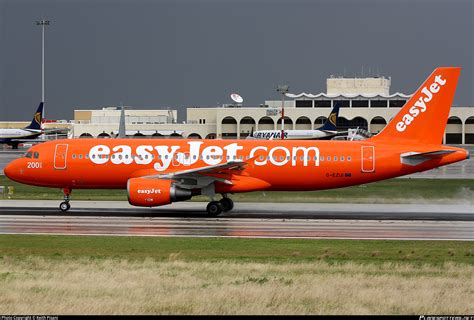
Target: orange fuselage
282,165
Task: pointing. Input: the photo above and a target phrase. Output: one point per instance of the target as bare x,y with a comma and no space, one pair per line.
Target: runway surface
255,220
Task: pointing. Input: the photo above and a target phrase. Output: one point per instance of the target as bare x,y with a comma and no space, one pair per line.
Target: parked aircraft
14,137
327,131
158,172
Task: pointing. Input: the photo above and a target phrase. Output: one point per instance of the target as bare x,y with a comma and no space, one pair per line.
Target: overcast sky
155,54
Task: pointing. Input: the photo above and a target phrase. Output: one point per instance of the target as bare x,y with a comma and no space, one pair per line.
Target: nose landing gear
65,206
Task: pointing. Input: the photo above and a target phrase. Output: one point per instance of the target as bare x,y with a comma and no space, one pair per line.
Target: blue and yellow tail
331,122
37,119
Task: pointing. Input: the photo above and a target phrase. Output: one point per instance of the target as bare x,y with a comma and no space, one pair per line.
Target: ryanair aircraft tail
37,119
331,122
423,118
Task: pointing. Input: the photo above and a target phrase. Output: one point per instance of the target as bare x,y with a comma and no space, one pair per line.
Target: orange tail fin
423,118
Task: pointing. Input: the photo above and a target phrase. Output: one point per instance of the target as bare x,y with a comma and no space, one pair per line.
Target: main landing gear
65,206
215,208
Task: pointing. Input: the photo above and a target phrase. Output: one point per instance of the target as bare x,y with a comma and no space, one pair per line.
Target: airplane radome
158,172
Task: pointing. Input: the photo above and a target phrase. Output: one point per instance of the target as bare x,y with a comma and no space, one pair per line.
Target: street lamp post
283,89
42,23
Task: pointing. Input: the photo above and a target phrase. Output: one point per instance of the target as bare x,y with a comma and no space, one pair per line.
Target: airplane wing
416,158
203,177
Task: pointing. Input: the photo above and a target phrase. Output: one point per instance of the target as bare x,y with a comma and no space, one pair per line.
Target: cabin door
368,159
60,156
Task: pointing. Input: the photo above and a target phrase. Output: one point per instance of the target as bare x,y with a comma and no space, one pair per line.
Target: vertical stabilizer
423,118
37,119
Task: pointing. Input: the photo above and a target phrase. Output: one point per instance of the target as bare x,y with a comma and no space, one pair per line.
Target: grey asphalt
261,220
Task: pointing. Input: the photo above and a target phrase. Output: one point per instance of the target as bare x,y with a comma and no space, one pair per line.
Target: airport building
366,103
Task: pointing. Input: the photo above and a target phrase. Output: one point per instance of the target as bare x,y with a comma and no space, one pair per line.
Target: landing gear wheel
227,204
214,208
64,206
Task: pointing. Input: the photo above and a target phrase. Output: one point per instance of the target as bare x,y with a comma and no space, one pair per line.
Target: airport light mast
283,89
42,23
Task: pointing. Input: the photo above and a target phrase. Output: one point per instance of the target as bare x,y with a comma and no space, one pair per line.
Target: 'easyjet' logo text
149,191
165,155
421,104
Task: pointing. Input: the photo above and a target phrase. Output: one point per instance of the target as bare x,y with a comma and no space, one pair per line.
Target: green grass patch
236,249
394,190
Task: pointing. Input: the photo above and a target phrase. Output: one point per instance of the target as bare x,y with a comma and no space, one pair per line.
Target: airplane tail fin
331,122
37,118
423,118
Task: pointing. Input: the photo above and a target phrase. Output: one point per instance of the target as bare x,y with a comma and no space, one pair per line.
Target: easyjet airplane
158,172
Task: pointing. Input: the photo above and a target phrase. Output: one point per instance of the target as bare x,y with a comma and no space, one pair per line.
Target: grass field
135,275
389,191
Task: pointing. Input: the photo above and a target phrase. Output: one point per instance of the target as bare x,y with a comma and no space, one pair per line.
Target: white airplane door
368,159
60,156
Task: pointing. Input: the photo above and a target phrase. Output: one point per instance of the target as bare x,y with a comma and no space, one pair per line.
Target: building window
344,103
396,103
360,103
322,103
378,103
304,103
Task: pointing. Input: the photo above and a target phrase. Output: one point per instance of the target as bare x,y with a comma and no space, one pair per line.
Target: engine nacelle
149,192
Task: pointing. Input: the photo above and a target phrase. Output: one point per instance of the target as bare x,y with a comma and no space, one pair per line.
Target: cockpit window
29,154
36,155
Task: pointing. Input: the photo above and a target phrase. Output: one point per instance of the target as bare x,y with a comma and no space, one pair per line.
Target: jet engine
149,192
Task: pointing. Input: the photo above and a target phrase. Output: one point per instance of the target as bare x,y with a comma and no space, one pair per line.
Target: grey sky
151,54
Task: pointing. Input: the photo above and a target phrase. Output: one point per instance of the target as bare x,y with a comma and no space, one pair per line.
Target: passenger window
93,156
322,159
342,158
80,156
28,155
348,158
329,158
74,156
335,158
87,156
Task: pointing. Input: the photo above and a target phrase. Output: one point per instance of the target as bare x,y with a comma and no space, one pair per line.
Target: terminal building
366,103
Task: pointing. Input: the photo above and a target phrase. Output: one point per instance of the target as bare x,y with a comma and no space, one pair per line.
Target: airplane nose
10,170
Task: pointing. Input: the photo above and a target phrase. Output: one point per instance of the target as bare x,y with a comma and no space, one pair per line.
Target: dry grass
112,286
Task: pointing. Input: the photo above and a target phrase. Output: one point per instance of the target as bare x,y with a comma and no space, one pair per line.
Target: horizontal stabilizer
416,158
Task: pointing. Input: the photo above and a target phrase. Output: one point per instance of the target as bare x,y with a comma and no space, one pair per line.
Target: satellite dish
236,98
